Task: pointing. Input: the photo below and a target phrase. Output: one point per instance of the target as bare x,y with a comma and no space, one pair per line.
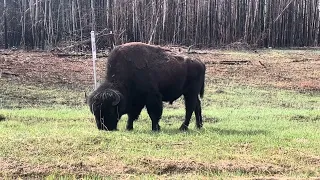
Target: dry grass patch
18,168
161,166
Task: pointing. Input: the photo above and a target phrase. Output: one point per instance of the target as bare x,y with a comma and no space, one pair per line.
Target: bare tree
93,18
48,23
5,25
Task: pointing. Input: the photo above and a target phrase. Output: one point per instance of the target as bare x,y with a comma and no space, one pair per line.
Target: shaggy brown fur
141,75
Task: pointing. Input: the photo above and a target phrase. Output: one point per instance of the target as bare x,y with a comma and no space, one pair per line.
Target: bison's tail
202,90
202,87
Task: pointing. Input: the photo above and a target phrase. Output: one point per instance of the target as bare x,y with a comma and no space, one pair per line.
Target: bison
139,75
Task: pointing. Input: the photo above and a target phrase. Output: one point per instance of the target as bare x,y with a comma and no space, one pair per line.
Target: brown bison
140,75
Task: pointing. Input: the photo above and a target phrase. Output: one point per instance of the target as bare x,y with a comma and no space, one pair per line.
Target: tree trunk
5,25
80,21
277,23
31,10
93,19
317,24
23,23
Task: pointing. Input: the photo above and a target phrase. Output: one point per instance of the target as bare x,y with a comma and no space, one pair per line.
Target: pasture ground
261,121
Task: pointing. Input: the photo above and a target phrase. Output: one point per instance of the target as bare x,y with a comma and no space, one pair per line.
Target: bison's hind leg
190,101
155,108
198,114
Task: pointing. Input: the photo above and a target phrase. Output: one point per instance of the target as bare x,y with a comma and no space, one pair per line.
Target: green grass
248,132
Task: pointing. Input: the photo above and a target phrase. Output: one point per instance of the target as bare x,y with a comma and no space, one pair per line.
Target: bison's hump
139,63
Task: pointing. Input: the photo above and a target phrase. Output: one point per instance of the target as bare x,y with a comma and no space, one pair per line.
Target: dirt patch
282,69
297,70
10,168
13,168
160,167
309,159
47,69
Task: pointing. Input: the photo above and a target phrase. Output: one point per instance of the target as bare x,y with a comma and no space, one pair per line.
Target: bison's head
105,105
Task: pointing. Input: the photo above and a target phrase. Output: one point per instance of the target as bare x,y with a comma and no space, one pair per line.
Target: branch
65,54
285,8
100,34
154,30
262,34
239,62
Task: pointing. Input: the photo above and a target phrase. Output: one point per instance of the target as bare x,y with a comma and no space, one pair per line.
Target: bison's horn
117,96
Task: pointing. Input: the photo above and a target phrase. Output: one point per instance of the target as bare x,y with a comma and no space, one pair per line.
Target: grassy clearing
17,95
248,132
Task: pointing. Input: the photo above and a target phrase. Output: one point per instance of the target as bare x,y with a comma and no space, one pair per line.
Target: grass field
250,131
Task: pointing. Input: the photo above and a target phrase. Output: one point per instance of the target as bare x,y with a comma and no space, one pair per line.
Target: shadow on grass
204,131
237,132
171,119
301,118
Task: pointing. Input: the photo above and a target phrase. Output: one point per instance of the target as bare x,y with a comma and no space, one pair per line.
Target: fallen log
65,54
229,62
195,52
8,74
5,53
235,62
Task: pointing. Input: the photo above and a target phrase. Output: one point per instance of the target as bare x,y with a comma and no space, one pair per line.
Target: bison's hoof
157,128
183,127
199,126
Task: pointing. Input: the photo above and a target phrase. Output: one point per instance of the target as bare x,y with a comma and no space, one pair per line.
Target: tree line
46,24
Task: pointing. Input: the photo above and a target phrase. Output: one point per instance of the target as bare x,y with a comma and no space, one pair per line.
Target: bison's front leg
134,115
154,108
131,118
